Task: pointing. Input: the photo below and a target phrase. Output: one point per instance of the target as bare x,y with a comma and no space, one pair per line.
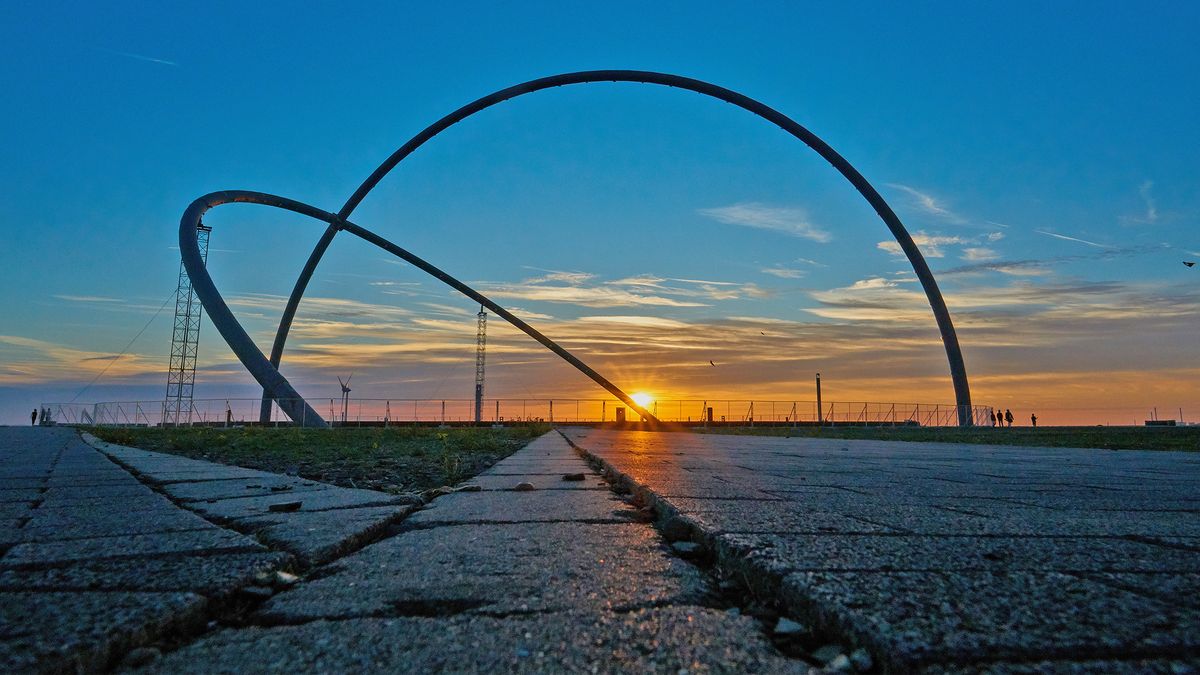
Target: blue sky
1045,156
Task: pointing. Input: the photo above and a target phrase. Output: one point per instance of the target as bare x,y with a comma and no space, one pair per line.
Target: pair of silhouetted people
1006,418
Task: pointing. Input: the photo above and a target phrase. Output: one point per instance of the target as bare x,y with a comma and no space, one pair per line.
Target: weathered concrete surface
330,521
83,631
565,580
666,640
499,569
96,563
95,560
208,575
943,557
316,537
521,507
104,551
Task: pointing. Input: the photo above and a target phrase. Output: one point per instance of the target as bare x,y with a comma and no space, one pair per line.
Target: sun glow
642,399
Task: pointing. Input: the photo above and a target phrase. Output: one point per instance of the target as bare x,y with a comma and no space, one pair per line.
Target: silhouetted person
1008,416
992,414
1033,418
33,418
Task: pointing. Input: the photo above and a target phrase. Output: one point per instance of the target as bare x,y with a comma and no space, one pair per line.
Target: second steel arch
958,372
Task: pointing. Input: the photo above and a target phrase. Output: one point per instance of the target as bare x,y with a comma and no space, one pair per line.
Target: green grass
396,459
1109,438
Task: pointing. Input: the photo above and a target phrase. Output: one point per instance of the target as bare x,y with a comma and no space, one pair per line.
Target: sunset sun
642,399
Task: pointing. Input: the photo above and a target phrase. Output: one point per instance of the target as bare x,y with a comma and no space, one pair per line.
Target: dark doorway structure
277,389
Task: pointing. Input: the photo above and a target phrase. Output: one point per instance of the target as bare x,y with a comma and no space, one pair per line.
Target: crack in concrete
722,595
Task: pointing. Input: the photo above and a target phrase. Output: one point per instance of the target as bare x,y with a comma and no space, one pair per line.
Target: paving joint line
722,594
414,527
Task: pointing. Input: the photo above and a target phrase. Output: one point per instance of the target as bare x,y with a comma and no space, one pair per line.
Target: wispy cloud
586,290
1044,266
792,221
1075,239
24,360
784,272
139,57
930,204
87,298
979,254
1150,215
930,244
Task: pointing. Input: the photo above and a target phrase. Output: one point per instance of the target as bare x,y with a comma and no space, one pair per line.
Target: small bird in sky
711,363
761,333
1189,263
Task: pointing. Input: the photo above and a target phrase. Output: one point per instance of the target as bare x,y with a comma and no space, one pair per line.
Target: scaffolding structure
480,354
185,342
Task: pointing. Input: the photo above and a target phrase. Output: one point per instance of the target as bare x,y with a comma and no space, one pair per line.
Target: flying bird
1189,264
711,363
761,333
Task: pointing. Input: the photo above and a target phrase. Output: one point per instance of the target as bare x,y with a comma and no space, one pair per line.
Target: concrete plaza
675,552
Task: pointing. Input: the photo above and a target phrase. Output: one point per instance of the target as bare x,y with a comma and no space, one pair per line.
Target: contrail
139,57
1081,241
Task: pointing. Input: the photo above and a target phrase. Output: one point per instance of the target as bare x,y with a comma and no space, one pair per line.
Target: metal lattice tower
480,354
185,342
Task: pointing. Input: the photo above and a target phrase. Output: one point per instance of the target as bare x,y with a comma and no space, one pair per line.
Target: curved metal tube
958,370
274,384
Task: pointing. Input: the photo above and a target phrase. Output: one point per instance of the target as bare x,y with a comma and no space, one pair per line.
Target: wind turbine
345,396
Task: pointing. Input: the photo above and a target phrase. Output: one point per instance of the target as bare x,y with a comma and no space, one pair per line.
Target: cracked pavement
121,558
941,557
889,557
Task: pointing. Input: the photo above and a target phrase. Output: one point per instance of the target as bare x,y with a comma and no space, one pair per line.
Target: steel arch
279,389
958,371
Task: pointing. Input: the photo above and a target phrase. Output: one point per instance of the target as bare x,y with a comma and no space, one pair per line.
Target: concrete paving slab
15,510
794,552
1135,666
208,575
19,496
240,487
119,491
83,482
1174,588
329,497
982,519
213,540
717,516
66,524
316,537
215,473
21,482
549,467
83,632
667,640
528,567
517,507
552,481
106,505
1179,542
911,618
